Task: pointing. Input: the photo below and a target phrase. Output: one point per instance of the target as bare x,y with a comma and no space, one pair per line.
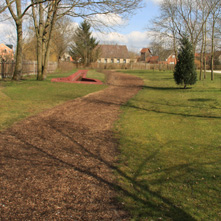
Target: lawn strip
170,149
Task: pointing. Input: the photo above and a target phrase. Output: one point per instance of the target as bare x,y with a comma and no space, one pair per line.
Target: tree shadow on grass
166,88
128,104
201,99
39,156
152,202
173,113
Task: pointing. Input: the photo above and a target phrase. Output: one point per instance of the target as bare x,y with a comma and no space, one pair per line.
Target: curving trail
59,164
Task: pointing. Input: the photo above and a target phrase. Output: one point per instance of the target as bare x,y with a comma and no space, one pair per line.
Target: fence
133,66
141,66
28,68
66,66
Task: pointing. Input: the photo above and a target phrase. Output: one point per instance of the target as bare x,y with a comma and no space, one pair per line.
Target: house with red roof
171,59
6,52
145,53
152,59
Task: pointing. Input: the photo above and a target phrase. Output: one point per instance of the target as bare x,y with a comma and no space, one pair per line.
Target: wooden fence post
3,69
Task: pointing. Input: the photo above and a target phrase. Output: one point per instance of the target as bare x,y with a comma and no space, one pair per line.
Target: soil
59,164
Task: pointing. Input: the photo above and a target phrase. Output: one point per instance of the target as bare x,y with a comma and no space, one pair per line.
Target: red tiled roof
152,59
144,50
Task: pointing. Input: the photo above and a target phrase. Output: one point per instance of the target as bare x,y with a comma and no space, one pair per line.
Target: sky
132,33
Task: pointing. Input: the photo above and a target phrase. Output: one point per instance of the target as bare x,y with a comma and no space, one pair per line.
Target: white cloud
7,33
73,26
108,20
155,1
134,40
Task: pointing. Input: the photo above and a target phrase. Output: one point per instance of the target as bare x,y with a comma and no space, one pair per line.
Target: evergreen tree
85,48
185,71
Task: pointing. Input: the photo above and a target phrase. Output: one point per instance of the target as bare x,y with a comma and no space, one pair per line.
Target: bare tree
161,49
45,16
17,15
62,36
203,41
179,17
5,5
215,14
18,11
167,23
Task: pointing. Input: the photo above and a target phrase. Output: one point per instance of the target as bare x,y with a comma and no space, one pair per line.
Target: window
125,61
112,60
118,60
105,60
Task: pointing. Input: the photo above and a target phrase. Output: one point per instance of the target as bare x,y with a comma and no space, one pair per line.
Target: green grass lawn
170,148
28,97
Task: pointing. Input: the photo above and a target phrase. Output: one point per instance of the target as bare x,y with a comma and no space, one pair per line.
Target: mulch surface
59,164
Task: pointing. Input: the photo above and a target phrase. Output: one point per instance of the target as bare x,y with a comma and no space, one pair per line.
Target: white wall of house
113,61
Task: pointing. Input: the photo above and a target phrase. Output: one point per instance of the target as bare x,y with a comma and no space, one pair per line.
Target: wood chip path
59,164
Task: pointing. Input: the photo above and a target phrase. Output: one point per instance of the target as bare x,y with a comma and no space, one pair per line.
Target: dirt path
58,165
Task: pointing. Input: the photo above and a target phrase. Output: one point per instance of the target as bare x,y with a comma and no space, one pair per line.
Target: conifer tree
185,71
84,49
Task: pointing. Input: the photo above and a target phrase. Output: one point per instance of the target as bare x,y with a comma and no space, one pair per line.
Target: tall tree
183,16
62,36
85,46
18,10
166,24
45,18
203,40
17,15
5,5
185,71
215,18
46,15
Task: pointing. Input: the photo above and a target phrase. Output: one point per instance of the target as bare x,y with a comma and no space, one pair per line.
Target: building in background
145,54
6,53
113,54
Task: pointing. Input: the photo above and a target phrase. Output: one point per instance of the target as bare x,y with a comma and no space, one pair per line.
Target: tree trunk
39,59
204,53
43,30
212,48
3,69
201,58
18,65
48,38
46,59
39,28
174,46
